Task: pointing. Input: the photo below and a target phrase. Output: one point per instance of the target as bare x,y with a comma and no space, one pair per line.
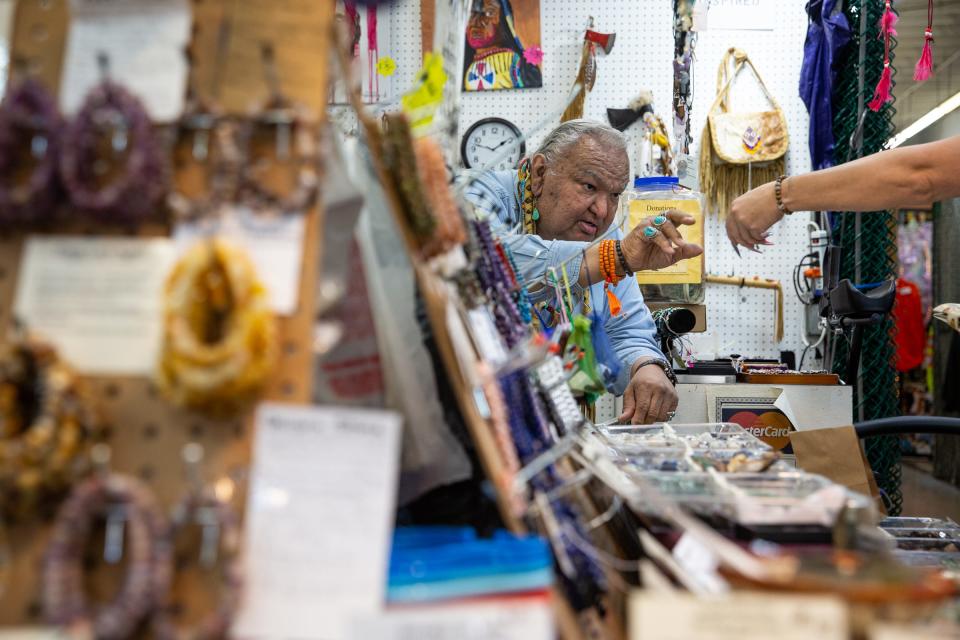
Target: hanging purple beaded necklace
498,285
29,116
136,192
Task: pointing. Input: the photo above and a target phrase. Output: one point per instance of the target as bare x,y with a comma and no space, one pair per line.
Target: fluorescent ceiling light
925,121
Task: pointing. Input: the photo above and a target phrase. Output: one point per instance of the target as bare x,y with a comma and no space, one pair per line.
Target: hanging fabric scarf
350,8
827,32
373,55
924,68
882,94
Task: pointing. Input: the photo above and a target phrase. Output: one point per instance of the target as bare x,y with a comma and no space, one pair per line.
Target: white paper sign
814,406
746,15
275,245
144,42
319,520
98,300
919,631
506,620
739,616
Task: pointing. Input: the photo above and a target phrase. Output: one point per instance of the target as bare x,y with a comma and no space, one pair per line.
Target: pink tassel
924,68
881,95
888,22
350,9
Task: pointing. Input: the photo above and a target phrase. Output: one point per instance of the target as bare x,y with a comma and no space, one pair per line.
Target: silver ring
650,232
671,415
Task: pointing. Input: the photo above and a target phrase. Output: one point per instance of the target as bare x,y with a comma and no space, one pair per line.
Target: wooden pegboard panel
39,38
146,434
228,36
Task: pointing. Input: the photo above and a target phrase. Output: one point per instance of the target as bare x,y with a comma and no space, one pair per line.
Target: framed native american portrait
501,43
502,48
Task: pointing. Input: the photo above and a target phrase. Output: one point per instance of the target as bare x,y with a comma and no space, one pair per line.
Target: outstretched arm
903,177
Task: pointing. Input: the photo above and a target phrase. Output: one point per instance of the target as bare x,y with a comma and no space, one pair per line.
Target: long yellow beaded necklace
528,203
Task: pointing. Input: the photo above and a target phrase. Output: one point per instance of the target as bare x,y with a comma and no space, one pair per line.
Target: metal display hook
278,111
116,514
204,515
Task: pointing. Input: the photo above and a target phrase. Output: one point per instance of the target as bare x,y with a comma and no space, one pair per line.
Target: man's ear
538,169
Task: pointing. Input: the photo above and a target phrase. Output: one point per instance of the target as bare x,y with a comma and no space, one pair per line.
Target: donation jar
681,283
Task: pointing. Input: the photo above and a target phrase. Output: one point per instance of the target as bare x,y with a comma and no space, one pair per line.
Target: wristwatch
664,365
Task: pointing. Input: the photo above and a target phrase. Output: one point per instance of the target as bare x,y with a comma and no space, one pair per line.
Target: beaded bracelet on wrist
29,124
135,193
623,261
778,193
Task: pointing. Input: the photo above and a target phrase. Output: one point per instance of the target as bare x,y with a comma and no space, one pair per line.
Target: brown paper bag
836,454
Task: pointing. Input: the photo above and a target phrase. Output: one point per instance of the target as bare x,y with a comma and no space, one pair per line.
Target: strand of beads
136,191
46,423
149,558
29,125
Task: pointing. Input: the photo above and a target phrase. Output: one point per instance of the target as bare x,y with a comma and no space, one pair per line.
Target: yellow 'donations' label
689,271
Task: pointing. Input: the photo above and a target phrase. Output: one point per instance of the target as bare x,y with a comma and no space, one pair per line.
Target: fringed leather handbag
739,149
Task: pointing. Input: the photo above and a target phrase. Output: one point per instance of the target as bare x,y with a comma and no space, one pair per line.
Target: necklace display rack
438,295
143,430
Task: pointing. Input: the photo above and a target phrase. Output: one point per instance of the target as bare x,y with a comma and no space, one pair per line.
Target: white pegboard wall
740,321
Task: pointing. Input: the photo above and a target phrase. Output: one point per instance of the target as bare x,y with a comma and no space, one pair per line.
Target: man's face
482,26
579,193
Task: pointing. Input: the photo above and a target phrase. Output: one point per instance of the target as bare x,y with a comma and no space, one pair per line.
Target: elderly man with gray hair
551,209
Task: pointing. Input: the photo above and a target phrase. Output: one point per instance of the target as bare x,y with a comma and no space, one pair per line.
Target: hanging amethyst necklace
135,192
498,283
29,121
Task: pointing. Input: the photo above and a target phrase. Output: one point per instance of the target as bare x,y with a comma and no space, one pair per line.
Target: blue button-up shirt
632,332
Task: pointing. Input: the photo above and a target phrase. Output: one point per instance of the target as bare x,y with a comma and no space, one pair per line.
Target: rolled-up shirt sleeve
632,333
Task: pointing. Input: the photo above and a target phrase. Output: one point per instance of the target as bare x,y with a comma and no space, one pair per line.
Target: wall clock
487,139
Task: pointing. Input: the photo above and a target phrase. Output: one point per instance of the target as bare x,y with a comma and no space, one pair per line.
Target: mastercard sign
770,426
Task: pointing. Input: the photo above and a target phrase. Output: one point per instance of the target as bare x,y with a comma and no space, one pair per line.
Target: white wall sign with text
749,15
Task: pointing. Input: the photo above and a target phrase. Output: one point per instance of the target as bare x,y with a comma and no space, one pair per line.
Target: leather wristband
663,364
623,261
